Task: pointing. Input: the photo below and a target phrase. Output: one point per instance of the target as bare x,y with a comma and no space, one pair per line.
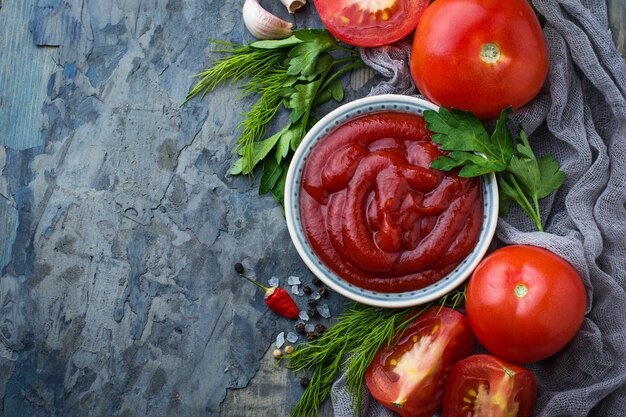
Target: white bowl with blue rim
348,111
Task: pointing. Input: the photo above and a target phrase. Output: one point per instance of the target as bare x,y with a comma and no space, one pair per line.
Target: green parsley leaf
551,176
473,165
278,191
302,96
463,133
277,44
271,173
304,56
336,90
521,176
260,151
291,134
525,166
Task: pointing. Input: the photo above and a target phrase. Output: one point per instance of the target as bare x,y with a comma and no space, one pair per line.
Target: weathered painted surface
24,74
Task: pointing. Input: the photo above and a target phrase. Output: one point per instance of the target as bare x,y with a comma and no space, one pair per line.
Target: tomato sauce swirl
376,213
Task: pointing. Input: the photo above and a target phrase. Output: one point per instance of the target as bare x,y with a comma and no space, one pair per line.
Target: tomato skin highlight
525,303
370,23
409,377
479,55
484,385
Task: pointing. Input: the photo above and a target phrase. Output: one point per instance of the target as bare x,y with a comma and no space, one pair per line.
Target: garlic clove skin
293,5
262,24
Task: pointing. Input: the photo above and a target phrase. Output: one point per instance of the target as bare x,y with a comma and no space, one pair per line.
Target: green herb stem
537,212
341,71
525,204
351,51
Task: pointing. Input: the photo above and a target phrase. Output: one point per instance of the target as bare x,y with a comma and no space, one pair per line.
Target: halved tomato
483,385
409,376
370,22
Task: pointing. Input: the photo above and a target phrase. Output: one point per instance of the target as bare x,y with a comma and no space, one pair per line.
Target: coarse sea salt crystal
324,310
293,280
303,316
292,337
315,296
294,290
280,340
309,328
274,282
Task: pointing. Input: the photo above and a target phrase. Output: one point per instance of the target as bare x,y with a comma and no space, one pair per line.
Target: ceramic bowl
332,280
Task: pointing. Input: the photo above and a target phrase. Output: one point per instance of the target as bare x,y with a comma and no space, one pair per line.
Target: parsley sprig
299,74
352,343
521,176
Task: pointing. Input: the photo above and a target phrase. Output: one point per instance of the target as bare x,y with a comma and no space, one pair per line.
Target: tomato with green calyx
483,385
525,303
370,22
408,377
479,55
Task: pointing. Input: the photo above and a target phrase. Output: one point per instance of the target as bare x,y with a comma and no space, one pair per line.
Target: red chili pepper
277,299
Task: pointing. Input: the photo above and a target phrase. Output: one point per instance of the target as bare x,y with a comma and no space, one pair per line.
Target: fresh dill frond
269,86
239,63
298,74
351,345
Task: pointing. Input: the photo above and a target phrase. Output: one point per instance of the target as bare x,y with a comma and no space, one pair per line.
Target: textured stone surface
120,224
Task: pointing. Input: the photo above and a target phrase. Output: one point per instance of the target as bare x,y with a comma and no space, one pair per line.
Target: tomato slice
370,22
483,385
409,377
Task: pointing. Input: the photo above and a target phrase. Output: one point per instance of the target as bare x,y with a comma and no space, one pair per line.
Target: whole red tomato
479,55
409,376
483,385
370,23
525,303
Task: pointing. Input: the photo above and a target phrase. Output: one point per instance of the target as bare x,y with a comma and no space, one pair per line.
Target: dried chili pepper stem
277,299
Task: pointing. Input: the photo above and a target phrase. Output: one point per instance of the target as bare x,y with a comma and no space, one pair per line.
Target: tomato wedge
483,385
409,377
370,22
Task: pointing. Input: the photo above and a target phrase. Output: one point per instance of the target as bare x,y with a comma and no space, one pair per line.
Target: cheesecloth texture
580,118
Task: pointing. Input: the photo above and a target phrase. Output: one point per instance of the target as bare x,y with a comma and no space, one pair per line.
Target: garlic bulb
293,5
262,24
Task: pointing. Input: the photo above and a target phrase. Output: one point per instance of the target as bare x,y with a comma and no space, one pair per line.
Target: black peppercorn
304,382
320,328
313,313
300,328
316,281
312,303
307,290
239,268
311,336
323,292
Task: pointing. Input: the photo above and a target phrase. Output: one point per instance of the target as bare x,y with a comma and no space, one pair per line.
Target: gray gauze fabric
580,118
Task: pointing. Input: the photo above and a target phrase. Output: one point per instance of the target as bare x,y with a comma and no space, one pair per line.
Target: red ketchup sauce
376,213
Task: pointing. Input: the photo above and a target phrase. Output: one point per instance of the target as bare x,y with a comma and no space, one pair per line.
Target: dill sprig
240,62
352,343
298,74
254,125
